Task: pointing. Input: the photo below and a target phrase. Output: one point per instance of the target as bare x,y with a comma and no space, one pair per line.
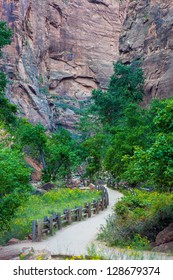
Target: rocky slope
148,35
61,50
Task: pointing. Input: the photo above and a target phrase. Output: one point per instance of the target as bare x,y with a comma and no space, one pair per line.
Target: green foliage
33,136
89,124
5,35
140,243
126,86
36,207
121,124
132,130
29,134
154,166
58,152
164,118
14,183
62,156
7,110
138,218
94,148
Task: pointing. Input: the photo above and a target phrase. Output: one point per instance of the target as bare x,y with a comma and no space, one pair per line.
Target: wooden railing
41,228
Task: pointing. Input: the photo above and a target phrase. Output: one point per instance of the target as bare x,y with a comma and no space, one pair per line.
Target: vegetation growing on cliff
7,110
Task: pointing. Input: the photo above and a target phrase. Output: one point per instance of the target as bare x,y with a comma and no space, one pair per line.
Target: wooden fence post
34,231
59,220
80,213
77,213
39,229
45,218
105,201
102,203
94,206
69,218
108,198
51,224
97,206
89,210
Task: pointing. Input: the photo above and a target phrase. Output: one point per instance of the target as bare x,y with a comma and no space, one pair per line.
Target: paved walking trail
73,239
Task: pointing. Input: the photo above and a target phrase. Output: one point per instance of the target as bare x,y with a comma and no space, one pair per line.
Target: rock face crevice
61,50
147,34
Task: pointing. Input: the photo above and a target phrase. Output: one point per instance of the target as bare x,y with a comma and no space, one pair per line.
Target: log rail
47,226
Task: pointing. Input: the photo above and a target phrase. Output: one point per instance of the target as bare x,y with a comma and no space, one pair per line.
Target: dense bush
125,86
154,165
138,218
14,183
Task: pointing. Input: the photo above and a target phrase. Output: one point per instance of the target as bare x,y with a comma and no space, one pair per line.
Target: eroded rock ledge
148,35
62,49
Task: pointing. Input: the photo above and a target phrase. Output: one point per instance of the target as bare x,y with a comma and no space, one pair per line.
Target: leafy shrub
138,218
14,184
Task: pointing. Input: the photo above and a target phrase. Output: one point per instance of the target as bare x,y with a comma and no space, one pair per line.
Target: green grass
39,206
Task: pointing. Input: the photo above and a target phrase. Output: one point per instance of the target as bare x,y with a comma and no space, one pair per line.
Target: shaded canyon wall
147,34
61,50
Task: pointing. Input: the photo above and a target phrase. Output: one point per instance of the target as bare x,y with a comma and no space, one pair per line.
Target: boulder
92,186
13,241
38,191
48,186
28,253
164,248
76,182
165,236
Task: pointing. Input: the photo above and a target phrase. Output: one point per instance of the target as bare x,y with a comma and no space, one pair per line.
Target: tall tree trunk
42,158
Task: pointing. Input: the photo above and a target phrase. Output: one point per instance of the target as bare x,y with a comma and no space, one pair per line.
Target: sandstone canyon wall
61,50
147,34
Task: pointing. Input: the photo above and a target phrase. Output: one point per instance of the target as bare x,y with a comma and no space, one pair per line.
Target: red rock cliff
148,34
62,49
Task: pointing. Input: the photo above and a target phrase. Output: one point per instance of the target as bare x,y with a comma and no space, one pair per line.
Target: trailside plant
14,184
38,206
153,166
137,219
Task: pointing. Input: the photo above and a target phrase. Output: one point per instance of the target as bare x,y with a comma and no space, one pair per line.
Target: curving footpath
73,239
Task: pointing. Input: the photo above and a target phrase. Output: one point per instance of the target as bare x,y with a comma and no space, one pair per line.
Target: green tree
5,35
7,110
62,156
94,148
126,86
33,136
14,183
121,123
133,130
154,166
